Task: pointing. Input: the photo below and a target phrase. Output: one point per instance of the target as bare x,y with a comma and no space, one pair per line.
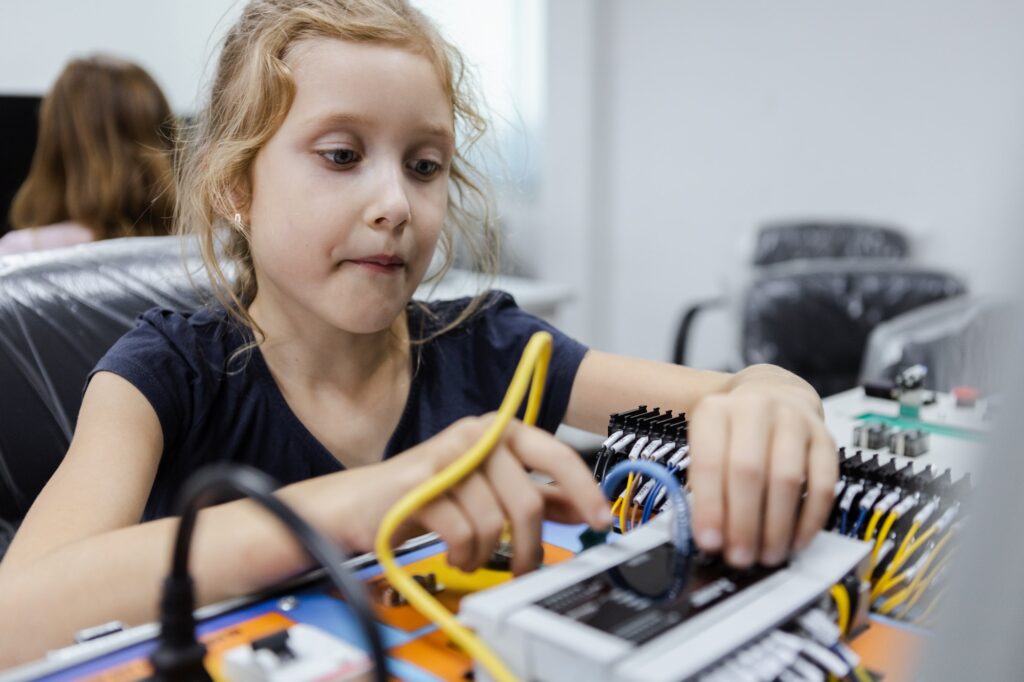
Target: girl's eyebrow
341,118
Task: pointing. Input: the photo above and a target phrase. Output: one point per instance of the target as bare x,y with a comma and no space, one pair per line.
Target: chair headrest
60,311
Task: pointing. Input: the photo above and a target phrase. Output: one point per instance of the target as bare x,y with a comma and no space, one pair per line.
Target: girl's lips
380,267
381,263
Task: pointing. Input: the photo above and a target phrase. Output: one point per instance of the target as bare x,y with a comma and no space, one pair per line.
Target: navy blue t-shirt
216,407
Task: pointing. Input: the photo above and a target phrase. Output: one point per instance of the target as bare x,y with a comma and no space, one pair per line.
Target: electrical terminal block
390,597
302,652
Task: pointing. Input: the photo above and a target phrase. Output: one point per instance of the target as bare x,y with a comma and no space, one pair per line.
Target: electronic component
910,391
908,442
635,610
965,396
501,557
871,435
300,653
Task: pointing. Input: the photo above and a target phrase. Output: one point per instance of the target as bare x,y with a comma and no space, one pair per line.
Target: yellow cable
875,518
882,535
842,600
926,584
919,585
916,544
894,601
884,585
615,507
931,607
886,582
862,674
529,375
901,553
627,496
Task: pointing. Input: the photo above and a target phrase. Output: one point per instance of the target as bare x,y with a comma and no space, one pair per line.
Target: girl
102,165
325,168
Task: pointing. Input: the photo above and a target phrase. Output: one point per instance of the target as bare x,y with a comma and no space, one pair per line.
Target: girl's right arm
81,558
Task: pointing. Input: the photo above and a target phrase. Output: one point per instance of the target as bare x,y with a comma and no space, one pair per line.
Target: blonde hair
251,94
103,156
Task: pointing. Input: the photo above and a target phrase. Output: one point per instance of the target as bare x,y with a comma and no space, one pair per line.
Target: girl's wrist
779,383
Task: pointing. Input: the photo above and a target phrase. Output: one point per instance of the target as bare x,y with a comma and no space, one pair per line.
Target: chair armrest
683,333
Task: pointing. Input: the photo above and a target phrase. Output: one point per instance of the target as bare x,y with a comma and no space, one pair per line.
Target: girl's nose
389,204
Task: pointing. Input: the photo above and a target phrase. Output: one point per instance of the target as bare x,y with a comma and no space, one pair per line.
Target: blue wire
860,520
660,473
653,496
649,503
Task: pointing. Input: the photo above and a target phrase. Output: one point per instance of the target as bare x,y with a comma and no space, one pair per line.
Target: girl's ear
238,196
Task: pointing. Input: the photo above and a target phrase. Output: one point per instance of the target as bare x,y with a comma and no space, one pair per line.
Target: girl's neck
315,355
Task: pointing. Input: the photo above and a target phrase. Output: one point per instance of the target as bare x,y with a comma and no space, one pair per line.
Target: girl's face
350,194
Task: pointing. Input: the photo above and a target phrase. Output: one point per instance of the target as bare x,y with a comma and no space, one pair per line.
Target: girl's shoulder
184,330
193,342
179,361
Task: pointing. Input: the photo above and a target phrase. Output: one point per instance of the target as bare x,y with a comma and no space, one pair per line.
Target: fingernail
710,540
741,556
601,516
771,557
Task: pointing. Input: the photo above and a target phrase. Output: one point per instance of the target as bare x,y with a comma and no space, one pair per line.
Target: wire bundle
911,518
642,435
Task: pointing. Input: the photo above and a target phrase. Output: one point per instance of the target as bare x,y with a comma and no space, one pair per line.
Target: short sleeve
505,329
156,358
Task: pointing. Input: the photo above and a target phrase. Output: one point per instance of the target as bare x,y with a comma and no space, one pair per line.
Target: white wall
674,127
172,39
678,126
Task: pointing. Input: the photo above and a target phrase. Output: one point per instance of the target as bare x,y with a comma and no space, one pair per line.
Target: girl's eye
340,157
425,168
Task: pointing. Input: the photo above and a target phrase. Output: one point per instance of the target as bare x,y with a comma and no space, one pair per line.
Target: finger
709,438
539,450
786,464
444,517
822,473
480,504
558,506
750,430
523,505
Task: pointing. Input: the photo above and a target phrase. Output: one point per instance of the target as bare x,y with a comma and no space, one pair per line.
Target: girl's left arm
757,440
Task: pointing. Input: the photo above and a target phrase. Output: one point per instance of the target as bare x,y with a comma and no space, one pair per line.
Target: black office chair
814,317
785,241
59,313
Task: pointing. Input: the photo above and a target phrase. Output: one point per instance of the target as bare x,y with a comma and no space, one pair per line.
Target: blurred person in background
102,164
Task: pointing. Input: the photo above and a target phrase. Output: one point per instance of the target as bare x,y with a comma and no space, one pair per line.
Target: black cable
179,655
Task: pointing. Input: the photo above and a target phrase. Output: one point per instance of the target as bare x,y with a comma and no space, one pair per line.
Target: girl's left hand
754,450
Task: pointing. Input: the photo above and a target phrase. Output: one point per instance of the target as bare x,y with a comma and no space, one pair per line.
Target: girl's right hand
470,517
